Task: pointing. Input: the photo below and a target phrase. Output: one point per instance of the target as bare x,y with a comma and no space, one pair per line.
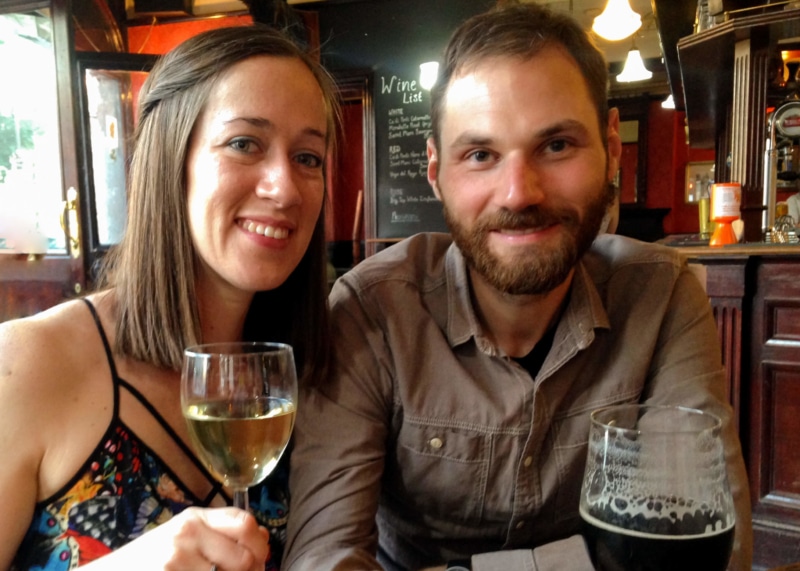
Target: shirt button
436,443
520,524
528,461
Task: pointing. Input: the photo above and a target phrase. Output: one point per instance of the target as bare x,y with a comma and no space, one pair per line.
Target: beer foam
710,531
659,515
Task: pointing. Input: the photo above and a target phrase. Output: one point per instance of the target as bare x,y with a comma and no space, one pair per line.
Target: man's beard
539,268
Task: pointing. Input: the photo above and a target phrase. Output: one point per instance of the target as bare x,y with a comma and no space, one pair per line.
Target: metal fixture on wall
617,21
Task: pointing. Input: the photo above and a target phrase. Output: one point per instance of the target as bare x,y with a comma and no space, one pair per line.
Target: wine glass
655,492
238,400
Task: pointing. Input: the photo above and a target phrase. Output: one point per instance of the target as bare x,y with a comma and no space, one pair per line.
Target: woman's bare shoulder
40,351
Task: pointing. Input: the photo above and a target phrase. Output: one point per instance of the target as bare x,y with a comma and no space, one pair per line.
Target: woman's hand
196,540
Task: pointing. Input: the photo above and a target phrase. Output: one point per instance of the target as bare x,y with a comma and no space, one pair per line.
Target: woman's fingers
227,537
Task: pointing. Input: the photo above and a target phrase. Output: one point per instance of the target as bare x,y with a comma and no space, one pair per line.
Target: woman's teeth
266,230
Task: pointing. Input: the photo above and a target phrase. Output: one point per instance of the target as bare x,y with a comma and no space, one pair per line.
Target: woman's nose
276,183
522,184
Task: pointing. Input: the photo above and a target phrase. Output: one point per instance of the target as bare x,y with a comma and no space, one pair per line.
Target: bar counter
754,290
746,249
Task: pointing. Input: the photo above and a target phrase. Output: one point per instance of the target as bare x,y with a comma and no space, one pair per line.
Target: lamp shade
428,73
634,69
617,21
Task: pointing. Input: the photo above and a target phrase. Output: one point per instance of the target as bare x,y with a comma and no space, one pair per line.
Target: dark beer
615,548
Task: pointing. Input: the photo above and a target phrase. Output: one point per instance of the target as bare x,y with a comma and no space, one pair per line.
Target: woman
225,241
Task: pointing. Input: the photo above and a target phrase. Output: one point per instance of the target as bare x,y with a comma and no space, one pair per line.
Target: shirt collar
584,311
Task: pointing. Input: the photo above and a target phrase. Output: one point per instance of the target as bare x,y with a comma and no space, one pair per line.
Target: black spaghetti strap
217,487
167,428
109,354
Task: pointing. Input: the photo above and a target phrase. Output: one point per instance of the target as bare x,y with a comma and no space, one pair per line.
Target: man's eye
557,145
309,160
480,156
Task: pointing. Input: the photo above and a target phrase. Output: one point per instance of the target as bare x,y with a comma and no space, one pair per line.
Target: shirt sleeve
569,553
339,449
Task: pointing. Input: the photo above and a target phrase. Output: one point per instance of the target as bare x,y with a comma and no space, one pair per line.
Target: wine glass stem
240,499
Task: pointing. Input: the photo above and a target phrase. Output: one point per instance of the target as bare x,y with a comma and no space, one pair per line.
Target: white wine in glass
238,400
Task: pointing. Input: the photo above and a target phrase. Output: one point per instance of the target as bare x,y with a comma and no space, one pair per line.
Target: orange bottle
725,200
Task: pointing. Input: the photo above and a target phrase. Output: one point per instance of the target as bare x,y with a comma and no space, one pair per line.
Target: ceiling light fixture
428,73
668,103
634,69
617,21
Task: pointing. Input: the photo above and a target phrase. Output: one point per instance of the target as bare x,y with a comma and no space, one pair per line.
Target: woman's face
254,174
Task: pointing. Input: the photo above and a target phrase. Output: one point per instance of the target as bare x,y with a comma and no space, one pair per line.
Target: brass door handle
69,222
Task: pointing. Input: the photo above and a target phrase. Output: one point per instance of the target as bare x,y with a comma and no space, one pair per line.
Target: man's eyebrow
474,138
560,127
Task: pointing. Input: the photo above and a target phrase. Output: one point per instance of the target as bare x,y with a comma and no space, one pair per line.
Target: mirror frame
101,61
636,109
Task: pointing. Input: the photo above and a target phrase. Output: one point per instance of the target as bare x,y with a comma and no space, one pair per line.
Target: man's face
522,171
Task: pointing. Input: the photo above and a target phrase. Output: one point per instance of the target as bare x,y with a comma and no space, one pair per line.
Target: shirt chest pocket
430,463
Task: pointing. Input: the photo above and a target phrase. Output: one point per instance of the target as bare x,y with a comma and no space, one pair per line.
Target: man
455,422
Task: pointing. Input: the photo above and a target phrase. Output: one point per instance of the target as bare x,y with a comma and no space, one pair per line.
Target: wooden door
773,438
96,97
34,278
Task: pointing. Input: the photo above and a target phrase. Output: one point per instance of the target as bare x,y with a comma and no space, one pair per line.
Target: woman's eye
242,145
309,160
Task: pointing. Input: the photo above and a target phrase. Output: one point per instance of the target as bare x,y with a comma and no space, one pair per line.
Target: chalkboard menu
405,202
391,38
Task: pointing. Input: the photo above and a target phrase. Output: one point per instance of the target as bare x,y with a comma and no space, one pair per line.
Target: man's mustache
530,217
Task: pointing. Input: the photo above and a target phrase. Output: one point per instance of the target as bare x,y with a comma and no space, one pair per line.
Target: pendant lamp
634,69
617,21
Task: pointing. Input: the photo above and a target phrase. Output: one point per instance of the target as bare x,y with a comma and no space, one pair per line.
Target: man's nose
523,184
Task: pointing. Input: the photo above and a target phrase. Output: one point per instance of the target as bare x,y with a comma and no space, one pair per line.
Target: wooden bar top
700,249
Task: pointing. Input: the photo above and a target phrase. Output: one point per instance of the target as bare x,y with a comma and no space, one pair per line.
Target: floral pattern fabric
123,491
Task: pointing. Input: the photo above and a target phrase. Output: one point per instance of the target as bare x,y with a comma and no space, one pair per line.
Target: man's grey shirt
427,437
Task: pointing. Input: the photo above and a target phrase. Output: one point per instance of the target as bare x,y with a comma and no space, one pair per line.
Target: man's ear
613,143
433,167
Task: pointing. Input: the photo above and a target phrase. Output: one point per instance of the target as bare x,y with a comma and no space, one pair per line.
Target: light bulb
617,21
634,69
428,72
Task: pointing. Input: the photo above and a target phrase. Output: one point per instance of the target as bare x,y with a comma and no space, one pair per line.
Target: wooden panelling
728,314
756,304
773,435
785,434
30,286
725,286
784,323
21,299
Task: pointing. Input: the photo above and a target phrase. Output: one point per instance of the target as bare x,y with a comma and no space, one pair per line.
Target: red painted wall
667,156
160,38
347,178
